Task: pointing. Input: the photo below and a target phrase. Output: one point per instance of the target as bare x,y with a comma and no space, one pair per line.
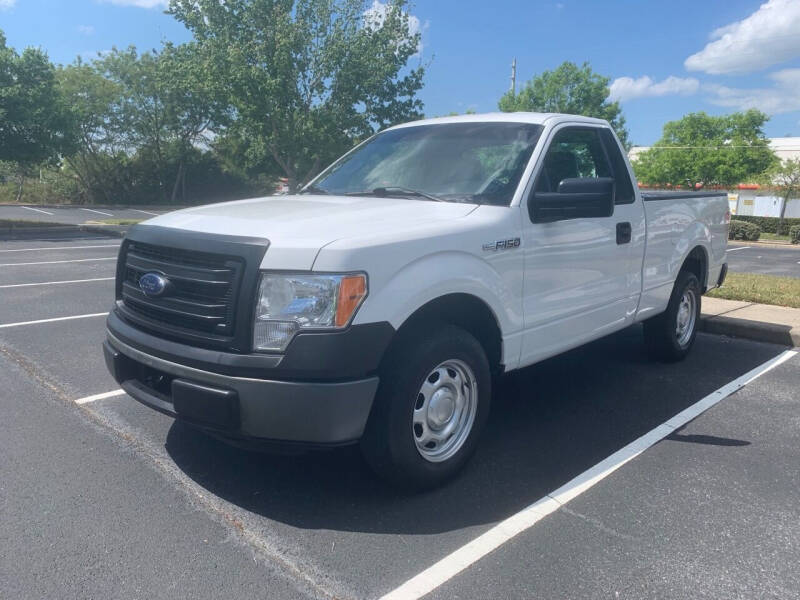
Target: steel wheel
686,317
445,410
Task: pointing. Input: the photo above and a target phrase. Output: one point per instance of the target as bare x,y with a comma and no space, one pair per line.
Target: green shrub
794,234
742,230
770,224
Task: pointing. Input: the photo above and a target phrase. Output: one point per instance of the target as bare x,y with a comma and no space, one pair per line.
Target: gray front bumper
312,412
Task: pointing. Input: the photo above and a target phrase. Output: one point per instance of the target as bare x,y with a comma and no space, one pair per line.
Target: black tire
389,444
660,333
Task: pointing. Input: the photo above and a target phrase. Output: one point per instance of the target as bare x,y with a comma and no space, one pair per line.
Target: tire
420,382
669,336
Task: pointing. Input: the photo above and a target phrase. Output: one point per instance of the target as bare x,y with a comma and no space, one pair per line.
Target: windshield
453,162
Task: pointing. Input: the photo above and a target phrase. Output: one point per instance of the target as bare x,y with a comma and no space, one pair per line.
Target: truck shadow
549,423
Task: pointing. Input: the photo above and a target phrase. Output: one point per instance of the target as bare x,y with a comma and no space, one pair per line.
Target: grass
764,289
774,237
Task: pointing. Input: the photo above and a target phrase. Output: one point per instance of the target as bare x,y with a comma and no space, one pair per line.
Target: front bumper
314,412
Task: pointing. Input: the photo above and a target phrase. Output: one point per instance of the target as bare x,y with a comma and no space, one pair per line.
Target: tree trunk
177,182
783,214
20,184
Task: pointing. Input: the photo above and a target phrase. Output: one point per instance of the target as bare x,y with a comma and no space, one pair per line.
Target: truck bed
654,195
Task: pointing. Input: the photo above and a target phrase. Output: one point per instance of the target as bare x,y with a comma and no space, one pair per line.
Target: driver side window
575,152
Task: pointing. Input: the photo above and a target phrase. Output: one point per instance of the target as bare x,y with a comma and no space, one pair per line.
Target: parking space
76,215
768,260
712,510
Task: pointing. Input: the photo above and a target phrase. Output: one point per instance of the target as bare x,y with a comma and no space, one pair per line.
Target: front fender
495,282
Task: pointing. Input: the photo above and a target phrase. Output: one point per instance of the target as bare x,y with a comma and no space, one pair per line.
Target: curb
773,244
759,331
109,230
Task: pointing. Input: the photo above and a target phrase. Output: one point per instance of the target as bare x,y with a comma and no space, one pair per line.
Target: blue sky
664,58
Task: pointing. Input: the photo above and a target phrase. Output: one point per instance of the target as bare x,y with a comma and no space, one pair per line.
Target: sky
663,58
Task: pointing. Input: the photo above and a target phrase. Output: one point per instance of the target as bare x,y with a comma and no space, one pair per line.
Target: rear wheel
431,404
670,335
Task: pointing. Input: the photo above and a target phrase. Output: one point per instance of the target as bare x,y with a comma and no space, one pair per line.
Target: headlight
287,304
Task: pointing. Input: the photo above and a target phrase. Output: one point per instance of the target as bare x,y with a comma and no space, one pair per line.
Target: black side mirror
576,198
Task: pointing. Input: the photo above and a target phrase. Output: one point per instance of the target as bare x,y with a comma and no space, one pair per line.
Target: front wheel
670,335
431,404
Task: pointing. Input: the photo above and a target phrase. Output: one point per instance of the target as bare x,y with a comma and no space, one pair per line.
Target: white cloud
627,88
769,36
375,15
139,3
782,97
85,29
7,4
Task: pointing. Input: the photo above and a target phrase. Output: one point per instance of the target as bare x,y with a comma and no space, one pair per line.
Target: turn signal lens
352,291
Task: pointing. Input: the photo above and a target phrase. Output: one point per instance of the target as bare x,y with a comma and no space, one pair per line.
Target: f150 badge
502,244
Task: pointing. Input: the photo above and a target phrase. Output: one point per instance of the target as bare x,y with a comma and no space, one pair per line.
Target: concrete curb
109,230
759,331
765,244
750,320
28,231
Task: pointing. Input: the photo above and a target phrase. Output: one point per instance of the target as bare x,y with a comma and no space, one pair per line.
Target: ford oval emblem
153,284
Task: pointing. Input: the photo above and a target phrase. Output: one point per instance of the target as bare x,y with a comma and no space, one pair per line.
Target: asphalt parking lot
783,261
102,497
74,215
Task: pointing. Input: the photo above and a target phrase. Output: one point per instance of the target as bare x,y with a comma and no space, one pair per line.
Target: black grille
202,292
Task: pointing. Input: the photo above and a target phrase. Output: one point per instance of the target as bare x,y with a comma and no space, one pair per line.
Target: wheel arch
696,262
463,310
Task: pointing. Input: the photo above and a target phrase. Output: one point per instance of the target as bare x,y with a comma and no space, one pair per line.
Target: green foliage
306,78
569,89
770,224
794,234
742,230
33,124
703,149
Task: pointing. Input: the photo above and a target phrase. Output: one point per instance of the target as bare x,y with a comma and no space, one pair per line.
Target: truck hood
297,227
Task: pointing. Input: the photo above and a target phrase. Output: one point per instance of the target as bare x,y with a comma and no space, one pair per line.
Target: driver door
581,278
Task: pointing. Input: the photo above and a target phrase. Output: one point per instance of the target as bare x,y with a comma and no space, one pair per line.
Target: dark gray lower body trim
311,412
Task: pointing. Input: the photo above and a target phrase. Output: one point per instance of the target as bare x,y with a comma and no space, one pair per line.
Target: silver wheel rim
445,410
687,315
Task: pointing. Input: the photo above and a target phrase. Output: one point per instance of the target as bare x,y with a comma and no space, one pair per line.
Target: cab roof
506,117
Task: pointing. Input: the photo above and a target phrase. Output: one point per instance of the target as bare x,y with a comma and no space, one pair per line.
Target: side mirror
576,198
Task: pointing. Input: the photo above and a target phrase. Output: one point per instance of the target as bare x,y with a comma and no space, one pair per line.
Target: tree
784,177
708,150
306,78
572,90
34,127
152,108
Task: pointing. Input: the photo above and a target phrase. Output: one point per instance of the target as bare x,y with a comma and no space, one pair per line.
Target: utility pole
514,77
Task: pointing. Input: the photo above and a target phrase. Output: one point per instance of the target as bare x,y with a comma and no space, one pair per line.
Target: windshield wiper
395,190
312,189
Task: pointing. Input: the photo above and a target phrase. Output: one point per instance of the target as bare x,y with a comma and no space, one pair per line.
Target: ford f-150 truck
377,305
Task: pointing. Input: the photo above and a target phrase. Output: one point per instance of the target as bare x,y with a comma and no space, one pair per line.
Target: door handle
623,233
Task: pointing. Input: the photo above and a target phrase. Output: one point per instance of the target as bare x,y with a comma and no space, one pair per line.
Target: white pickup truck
377,305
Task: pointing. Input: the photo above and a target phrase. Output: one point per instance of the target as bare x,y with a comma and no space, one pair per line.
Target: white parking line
88,399
59,248
57,262
738,248
37,210
20,285
37,322
454,563
146,212
99,212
